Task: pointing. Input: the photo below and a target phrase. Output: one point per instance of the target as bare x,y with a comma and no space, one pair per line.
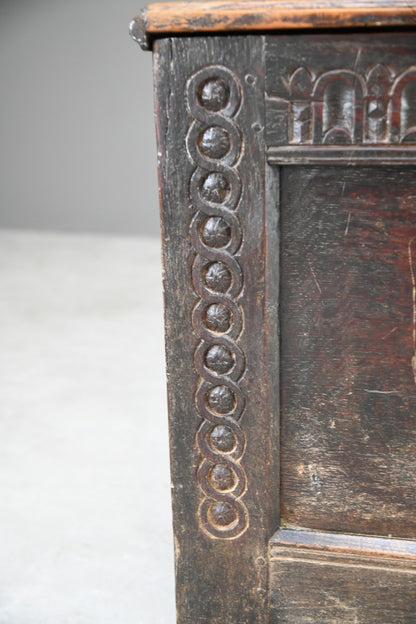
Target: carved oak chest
287,154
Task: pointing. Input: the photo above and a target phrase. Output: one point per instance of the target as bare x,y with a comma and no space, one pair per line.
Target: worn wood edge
299,543
138,30
215,16
341,155
272,329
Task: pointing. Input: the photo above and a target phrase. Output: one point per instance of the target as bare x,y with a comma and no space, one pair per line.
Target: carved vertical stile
223,411
214,145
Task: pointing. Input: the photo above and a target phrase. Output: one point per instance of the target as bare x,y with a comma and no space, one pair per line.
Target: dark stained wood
326,578
348,460
288,204
218,262
218,16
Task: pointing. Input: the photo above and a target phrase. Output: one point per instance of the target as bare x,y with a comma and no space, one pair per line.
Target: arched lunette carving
342,107
338,100
403,107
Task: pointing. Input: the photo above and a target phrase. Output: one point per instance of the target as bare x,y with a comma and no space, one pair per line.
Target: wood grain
384,551
348,389
258,15
328,578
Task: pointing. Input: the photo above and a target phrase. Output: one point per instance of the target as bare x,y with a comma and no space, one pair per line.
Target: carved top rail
354,111
368,116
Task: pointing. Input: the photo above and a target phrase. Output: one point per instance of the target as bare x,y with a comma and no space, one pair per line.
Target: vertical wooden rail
220,285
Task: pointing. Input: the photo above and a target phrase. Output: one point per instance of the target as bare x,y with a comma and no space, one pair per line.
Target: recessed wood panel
348,340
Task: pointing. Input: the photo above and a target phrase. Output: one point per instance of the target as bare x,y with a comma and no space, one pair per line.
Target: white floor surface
85,521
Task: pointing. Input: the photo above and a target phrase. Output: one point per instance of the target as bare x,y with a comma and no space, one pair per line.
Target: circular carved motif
214,94
250,79
214,145
216,232
222,477
218,277
218,317
221,399
219,359
222,438
215,188
223,514
215,142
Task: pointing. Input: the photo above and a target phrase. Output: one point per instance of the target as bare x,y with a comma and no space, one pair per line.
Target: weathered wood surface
329,578
219,261
160,19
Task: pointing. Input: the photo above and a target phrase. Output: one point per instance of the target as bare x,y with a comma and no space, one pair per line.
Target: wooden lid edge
216,16
138,30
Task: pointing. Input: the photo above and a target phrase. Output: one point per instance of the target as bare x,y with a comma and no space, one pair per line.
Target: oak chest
287,154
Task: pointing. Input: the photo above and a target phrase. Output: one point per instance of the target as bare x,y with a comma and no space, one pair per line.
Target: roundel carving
214,146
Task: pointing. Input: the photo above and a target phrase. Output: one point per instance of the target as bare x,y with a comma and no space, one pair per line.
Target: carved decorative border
365,117
214,146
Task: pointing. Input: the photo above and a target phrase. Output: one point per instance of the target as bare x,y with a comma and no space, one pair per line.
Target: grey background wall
77,148
83,426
